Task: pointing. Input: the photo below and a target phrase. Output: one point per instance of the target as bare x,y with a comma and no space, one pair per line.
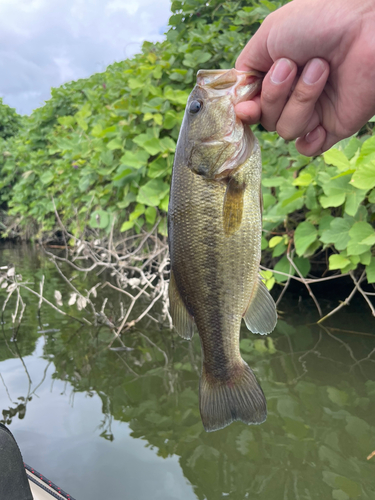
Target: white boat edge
42,489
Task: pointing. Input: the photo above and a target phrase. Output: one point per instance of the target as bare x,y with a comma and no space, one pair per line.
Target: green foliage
105,145
101,150
325,204
10,121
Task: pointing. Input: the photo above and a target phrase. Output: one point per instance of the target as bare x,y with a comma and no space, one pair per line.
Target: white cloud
45,43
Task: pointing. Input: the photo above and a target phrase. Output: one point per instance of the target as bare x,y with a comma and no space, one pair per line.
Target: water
126,425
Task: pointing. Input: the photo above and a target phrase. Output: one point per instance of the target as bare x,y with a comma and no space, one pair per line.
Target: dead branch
305,283
41,294
346,301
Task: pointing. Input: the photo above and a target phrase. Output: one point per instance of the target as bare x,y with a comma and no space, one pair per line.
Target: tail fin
221,403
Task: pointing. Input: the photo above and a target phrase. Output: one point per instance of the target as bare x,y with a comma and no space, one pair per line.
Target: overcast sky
45,43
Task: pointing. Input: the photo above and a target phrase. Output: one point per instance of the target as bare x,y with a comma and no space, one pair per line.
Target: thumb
255,55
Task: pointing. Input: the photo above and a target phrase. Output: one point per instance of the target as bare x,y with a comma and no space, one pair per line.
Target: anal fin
182,320
261,316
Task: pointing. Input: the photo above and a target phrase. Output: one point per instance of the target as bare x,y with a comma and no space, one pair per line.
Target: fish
214,237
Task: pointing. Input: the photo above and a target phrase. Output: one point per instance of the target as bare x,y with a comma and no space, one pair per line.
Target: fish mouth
240,85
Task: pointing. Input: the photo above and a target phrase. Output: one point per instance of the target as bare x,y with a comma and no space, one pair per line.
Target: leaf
196,58
365,258
353,200
304,236
295,196
107,158
351,488
337,158
352,147
135,159
370,271
275,240
304,179
280,248
115,143
167,143
158,168
283,266
150,215
335,192
47,177
124,173
338,262
163,205
334,200
135,83
338,233
128,198
138,210
99,219
127,225
152,146
66,121
362,237
176,96
170,119
303,265
268,279
260,346
364,176
338,397
162,227
325,222
152,192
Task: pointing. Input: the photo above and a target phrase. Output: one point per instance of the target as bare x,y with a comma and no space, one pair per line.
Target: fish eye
195,107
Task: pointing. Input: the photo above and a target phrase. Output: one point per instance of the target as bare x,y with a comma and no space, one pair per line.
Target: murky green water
126,425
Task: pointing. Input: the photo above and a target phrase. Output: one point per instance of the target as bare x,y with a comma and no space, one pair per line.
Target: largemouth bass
214,233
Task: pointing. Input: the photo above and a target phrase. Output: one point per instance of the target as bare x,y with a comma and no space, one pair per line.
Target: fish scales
215,266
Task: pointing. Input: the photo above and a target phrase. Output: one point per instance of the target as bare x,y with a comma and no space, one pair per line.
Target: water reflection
319,383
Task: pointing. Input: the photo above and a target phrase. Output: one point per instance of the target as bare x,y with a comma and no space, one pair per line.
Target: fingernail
281,71
313,71
313,135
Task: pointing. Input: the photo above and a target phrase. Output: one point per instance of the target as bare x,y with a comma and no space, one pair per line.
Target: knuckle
286,132
302,96
270,127
270,95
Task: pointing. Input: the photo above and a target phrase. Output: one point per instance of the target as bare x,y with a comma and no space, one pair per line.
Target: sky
45,43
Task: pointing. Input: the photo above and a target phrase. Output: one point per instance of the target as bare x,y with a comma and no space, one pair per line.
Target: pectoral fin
233,206
182,320
261,316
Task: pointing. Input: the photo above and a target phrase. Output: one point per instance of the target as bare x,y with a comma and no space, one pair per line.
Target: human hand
319,59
